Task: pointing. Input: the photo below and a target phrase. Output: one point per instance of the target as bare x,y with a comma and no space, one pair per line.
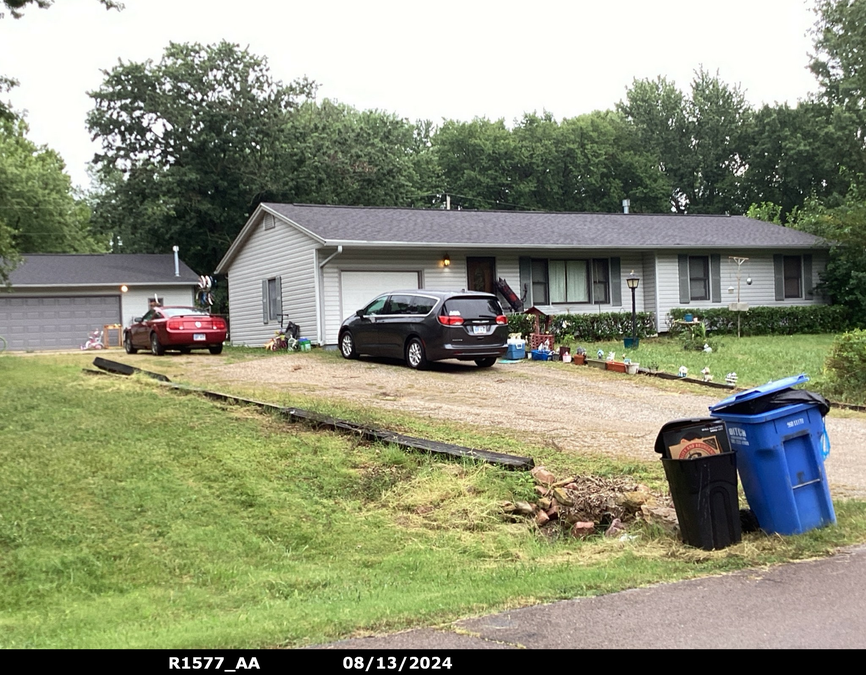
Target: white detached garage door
55,322
357,289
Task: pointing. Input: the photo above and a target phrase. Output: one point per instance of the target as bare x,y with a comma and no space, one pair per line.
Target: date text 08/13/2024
350,663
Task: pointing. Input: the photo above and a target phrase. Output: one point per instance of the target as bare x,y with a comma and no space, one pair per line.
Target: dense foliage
40,211
767,320
845,369
587,327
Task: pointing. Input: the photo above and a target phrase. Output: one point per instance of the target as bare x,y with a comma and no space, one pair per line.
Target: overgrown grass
132,516
756,360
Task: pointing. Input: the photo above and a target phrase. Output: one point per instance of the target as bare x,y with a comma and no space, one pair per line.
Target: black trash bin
702,475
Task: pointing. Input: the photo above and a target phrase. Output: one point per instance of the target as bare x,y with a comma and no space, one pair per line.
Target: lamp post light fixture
633,282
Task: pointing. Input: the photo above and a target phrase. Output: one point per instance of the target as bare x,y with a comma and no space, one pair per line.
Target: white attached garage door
357,289
55,322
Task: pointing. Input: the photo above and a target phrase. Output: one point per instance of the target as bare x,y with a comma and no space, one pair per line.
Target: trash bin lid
763,390
660,446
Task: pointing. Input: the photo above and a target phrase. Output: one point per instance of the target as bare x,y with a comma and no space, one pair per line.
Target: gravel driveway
574,407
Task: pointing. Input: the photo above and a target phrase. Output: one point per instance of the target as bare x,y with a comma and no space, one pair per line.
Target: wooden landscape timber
123,369
320,421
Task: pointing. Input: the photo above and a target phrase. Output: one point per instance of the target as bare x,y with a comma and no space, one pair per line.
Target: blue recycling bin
780,445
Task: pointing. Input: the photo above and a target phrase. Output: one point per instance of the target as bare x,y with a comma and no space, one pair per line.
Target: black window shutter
264,300
279,295
716,277
525,292
779,273
615,282
685,296
808,291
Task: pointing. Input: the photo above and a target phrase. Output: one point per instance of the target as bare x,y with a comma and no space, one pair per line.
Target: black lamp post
633,280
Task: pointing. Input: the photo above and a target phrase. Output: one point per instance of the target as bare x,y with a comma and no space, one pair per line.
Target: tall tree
839,60
810,150
190,145
479,164
587,163
39,212
335,154
15,7
844,227
699,140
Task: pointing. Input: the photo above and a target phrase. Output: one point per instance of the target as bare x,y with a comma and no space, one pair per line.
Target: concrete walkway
811,604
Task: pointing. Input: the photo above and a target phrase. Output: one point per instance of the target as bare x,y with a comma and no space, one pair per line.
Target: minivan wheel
487,362
347,346
415,356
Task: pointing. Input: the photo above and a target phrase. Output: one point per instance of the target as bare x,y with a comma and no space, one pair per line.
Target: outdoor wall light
124,288
446,260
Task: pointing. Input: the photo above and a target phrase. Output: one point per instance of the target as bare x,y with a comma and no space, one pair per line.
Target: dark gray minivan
422,326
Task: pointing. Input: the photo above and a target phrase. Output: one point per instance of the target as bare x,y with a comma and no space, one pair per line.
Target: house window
793,276
699,277
600,282
272,299
539,282
570,281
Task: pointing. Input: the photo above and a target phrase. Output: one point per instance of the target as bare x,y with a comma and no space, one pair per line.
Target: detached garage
56,300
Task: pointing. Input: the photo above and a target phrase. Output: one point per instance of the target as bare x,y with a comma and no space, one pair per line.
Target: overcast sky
452,59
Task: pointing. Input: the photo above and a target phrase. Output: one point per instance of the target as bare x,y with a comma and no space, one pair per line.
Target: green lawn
134,516
756,360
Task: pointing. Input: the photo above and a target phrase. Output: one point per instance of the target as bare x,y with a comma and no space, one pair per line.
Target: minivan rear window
472,308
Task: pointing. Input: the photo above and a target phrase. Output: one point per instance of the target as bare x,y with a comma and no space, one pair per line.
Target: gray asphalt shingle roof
86,269
345,224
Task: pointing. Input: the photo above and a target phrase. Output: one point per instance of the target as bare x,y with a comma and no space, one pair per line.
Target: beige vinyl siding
647,292
759,268
427,262
279,251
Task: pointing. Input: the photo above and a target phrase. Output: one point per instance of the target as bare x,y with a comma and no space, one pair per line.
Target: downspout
320,311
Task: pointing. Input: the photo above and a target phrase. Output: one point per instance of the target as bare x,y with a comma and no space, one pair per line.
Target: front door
480,273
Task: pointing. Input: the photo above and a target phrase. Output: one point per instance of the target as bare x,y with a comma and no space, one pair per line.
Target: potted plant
579,356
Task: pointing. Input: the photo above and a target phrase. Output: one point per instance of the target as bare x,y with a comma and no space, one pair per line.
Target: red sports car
178,328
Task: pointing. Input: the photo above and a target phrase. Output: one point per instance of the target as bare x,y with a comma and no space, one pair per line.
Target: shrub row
845,369
769,320
589,327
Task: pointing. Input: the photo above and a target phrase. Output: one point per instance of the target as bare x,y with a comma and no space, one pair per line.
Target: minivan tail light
175,325
501,320
451,320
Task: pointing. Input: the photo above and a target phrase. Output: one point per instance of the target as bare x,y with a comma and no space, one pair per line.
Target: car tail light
451,320
175,325
501,320
219,324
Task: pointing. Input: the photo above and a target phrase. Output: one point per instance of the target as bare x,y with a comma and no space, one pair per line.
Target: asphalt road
811,604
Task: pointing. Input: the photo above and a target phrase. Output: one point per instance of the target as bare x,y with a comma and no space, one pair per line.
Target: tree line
191,143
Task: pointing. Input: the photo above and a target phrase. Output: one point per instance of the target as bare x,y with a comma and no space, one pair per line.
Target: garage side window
272,299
